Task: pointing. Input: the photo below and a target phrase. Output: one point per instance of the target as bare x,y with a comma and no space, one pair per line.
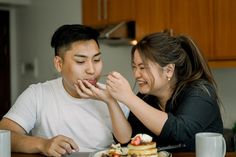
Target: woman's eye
142,68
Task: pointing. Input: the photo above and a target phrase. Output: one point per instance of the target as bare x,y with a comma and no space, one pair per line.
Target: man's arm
121,128
20,142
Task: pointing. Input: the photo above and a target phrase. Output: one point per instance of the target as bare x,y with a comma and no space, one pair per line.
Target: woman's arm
152,118
121,127
120,89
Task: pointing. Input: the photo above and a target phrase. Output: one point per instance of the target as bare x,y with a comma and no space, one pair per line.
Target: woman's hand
119,87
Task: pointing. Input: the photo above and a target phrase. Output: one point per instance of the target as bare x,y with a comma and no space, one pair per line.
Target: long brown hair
190,65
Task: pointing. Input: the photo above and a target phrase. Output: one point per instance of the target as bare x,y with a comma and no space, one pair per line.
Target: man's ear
58,63
169,70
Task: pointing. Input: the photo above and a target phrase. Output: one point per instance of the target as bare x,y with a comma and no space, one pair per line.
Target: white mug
5,143
209,144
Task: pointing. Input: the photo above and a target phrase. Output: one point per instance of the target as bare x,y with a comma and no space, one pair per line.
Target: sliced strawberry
93,82
116,155
136,141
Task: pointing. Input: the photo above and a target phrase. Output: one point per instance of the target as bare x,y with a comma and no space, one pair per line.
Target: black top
195,110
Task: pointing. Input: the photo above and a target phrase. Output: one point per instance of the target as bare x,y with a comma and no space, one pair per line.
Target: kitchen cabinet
195,19
151,16
102,12
211,24
224,29
178,16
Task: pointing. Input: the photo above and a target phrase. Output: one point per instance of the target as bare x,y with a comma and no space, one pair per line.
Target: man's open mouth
93,82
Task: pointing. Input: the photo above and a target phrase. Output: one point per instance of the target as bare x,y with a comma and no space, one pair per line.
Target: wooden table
25,155
229,154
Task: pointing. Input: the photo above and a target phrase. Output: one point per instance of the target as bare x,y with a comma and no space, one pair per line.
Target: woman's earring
168,78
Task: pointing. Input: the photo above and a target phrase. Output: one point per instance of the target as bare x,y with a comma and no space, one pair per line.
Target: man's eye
80,62
97,60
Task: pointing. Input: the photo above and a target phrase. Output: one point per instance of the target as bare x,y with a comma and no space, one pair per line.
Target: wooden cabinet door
101,12
194,18
210,23
225,29
93,12
120,10
151,16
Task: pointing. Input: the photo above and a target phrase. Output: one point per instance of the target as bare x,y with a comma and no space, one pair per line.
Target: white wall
117,59
34,26
15,2
226,82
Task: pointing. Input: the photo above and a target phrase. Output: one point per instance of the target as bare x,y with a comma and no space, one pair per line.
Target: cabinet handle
169,31
105,9
99,10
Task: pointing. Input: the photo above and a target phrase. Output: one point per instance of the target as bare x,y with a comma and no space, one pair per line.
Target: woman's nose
136,73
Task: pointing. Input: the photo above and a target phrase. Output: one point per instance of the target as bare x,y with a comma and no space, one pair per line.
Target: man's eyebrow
99,53
84,56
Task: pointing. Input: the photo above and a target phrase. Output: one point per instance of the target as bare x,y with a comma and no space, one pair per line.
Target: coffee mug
5,143
209,144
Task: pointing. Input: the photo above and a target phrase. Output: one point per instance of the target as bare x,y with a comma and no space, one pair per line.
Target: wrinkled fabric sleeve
194,114
23,112
125,109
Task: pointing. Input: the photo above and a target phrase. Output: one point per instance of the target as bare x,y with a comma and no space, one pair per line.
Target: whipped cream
144,138
117,149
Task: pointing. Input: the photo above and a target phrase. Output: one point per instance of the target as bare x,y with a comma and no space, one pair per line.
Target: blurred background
27,26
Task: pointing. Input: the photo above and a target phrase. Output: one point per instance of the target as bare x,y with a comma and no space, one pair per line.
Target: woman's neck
163,97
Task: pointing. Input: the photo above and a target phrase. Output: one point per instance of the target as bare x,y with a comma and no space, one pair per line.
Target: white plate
99,153
164,154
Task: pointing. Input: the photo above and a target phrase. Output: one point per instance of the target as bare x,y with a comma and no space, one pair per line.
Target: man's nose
90,68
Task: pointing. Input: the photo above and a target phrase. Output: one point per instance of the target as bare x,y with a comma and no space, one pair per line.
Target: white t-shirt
47,110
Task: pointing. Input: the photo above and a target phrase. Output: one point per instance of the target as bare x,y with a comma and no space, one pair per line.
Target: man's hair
67,34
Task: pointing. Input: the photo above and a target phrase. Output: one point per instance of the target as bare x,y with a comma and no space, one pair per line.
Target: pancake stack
142,146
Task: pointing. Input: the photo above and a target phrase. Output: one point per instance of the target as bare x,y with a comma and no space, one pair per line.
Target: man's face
81,62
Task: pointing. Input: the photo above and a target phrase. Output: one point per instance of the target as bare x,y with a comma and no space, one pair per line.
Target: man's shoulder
47,85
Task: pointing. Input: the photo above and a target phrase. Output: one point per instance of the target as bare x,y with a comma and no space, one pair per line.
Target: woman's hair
65,35
190,65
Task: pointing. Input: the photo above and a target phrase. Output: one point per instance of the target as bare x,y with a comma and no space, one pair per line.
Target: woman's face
150,77
81,62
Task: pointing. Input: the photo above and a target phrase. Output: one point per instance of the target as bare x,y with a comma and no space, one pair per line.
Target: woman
177,94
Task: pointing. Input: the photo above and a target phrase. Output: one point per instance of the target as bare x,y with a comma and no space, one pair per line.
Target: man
59,120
